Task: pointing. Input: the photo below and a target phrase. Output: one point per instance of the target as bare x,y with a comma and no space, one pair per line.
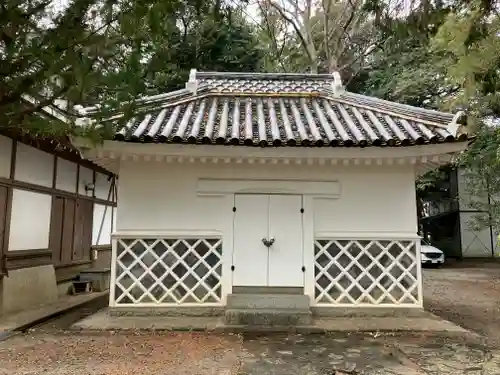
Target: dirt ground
108,354
467,295
167,353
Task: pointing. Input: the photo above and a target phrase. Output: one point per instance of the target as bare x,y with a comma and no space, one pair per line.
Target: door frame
310,190
235,210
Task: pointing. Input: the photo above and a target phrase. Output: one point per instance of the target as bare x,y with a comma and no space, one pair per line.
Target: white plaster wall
102,216
157,196
376,200
30,220
113,228
475,243
5,156
102,186
34,166
66,175
86,177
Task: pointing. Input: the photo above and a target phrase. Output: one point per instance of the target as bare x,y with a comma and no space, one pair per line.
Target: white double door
259,219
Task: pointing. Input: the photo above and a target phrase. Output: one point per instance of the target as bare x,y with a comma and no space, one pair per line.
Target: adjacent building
447,218
56,216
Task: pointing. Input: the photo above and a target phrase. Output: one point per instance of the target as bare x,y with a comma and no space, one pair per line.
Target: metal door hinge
234,209
232,268
303,269
301,210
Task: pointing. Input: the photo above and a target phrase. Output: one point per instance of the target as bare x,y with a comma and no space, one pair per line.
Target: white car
431,255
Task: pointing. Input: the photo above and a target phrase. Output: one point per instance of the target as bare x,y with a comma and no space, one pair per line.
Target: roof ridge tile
259,75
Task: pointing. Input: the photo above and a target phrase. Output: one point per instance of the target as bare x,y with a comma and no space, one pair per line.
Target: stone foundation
359,312
28,287
319,312
167,311
64,288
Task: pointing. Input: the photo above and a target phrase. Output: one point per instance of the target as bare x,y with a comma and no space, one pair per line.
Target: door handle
268,242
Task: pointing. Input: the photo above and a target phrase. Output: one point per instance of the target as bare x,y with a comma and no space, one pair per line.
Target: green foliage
481,172
469,40
447,56
109,52
405,69
469,43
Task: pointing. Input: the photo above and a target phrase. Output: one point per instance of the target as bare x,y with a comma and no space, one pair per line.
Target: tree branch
300,34
272,35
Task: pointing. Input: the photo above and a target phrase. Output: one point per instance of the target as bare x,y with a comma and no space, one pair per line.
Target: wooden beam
28,258
47,190
8,207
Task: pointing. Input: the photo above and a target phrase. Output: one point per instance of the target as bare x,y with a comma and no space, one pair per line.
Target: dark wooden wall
70,229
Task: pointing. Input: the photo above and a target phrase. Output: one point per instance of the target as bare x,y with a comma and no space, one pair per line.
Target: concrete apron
210,319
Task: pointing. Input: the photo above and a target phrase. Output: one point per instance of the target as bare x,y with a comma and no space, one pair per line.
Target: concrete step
268,317
267,290
268,301
99,277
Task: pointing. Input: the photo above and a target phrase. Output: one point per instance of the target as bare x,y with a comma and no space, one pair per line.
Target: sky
251,10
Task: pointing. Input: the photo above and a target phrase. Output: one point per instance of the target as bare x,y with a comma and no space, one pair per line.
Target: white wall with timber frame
357,206
37,185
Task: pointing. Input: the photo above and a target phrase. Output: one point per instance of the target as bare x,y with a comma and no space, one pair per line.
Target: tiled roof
278,109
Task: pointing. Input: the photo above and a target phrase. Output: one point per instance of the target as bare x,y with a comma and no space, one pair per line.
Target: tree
325,36
481,172
469,40
405,69
107,53
49,54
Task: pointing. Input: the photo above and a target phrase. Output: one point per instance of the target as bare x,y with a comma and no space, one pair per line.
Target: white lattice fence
165,271
367,272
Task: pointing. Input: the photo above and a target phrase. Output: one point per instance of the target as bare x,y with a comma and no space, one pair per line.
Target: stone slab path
396,355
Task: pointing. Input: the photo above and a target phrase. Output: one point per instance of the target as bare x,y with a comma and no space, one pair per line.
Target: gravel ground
212,354
144,354
67,319
469,297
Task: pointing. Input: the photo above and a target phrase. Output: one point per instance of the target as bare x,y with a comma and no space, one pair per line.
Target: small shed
271,183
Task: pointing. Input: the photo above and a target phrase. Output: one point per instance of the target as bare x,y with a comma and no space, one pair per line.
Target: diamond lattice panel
350,272
168,271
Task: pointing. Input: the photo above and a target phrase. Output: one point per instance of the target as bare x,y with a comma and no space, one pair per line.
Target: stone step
267,290
99,277
268,301
268,317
